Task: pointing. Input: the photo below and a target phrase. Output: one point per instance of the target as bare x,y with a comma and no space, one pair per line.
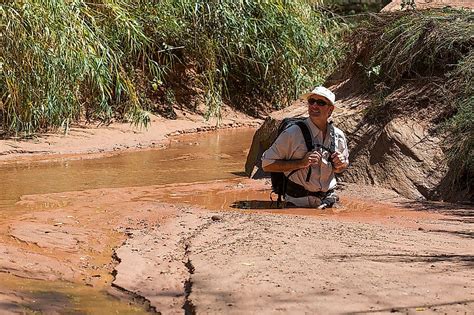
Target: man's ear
331,109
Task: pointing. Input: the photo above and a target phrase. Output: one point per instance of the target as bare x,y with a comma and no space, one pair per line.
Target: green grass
62,61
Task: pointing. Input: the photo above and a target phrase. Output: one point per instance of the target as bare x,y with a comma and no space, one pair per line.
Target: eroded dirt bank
216,247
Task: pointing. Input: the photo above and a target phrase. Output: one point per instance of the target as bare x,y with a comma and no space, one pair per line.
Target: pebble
216,218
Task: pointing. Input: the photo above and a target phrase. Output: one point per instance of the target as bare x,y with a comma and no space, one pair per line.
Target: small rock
216,218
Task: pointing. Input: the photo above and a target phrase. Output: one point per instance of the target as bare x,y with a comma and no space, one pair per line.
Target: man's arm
310,158
339,162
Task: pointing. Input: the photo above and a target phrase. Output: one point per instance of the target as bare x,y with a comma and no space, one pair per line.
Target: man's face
319,107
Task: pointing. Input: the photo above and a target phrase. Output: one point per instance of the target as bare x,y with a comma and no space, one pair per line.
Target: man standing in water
311,175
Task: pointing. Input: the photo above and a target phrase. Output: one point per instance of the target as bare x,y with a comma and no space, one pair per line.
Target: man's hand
338,161
311,158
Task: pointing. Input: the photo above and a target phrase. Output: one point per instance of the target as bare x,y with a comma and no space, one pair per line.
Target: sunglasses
315,101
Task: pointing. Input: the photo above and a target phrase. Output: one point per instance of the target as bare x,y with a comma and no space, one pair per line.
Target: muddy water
59,297
258,199
190,158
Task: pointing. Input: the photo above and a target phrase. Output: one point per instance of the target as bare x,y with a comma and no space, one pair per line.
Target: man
289,154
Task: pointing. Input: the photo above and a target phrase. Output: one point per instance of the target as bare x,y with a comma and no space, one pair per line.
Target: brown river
186,159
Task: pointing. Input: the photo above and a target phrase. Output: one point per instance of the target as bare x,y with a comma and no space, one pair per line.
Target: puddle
247,196
58,297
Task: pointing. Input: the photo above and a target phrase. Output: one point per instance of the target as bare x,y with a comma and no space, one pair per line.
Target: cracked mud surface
266,264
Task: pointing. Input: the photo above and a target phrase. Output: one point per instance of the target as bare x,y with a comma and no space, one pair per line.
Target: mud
362,257
220,246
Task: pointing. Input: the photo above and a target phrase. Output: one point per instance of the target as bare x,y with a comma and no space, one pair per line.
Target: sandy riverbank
85,141
218,247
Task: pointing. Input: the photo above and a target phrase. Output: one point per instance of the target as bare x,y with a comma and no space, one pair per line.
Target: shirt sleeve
341,146
280,149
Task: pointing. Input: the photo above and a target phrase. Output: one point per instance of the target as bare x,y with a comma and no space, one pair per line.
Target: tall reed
65,60
271,49
62,59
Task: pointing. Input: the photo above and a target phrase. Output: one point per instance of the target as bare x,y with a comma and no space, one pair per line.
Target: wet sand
175,248
219,246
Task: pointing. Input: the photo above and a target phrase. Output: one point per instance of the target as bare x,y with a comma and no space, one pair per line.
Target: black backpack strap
332,134
332,145
282,192
308,139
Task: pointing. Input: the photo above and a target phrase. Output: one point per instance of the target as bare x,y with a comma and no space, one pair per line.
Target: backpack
279,180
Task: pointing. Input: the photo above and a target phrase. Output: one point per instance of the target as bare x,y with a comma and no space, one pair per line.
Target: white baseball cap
321,91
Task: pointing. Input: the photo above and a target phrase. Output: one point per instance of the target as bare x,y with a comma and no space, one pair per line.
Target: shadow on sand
255,205
463,212
418,308
463,260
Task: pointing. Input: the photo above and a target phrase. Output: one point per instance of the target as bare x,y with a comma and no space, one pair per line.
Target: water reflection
58,297
254,204
190,158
